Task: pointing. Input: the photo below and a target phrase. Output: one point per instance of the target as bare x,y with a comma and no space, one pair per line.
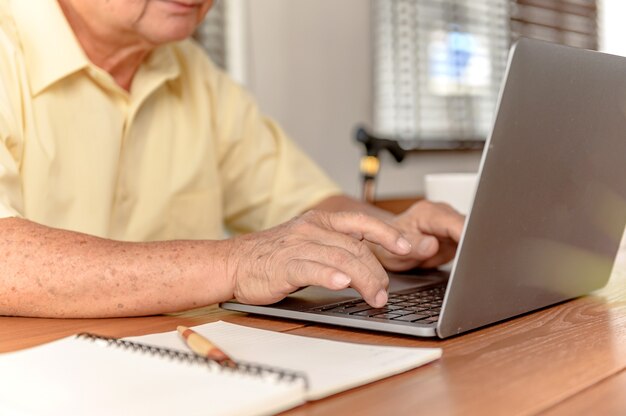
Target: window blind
438,64
211,34
568,22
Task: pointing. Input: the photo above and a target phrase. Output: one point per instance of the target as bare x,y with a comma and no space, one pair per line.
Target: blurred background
423,72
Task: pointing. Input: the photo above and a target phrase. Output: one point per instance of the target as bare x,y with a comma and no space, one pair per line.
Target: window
222,35
211,34
438,65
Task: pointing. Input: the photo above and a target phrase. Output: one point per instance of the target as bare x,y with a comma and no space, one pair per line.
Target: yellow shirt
183,153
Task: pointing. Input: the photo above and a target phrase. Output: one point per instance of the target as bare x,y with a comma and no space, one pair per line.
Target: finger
426,248
362,226
443,251
439,220
422,246
357,248
447,251
323,265
368,277
302,272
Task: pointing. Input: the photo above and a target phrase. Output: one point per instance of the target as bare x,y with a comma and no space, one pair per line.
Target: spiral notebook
155,375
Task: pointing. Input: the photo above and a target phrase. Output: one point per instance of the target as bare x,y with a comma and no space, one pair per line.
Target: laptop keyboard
421,306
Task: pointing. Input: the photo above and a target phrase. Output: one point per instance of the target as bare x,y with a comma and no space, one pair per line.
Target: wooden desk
568,359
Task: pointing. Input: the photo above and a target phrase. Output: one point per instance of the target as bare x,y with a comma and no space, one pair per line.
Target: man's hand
317,248
433,229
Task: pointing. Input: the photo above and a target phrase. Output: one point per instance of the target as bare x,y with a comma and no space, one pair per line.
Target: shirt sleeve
266,179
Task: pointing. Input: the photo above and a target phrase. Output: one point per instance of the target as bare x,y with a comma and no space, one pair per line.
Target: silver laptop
548,213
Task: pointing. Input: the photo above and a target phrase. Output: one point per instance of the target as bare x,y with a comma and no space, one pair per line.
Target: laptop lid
550,205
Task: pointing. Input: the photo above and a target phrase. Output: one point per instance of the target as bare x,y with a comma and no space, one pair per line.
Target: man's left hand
433,229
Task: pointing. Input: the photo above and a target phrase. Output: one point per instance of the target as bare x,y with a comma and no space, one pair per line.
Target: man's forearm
48,272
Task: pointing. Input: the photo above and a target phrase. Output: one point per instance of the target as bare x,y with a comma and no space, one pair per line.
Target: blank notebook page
331,366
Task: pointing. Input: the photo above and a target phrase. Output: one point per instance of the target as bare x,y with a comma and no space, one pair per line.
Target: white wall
309,65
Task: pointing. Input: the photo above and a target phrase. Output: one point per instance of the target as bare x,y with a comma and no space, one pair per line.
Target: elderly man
123,151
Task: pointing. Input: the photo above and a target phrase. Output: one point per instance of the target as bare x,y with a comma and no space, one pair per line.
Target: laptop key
385,316
372,311
325,308
403,304
344,309
405,311
417,309
355,308
411,317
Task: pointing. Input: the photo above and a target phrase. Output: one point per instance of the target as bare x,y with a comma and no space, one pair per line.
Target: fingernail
426,245
340,280
381,299
403,244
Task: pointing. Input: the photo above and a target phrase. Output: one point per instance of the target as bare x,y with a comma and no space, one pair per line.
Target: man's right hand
317,248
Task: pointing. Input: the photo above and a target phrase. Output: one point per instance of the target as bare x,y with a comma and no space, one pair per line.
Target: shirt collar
51,50
160,66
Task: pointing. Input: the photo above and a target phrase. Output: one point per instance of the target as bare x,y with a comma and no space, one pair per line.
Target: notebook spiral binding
248,368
